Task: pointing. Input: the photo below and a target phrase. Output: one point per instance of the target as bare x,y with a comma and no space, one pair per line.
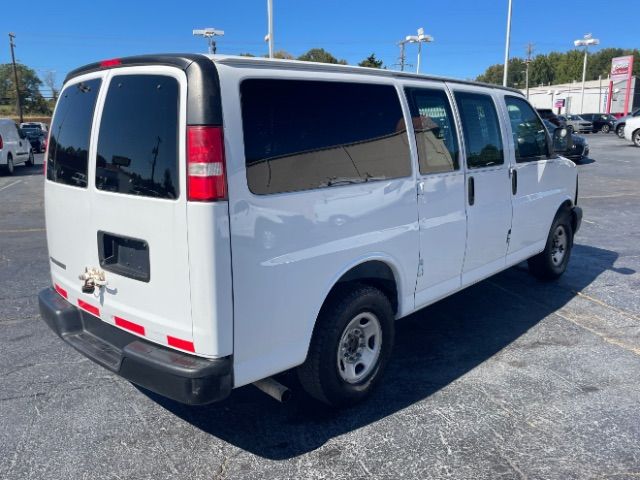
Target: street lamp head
208,32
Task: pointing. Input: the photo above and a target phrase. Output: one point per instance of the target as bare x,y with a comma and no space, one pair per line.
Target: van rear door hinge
420,268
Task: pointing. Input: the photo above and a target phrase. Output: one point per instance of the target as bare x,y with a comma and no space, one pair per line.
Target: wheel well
567,206
375,273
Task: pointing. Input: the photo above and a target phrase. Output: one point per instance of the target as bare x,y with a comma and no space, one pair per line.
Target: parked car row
15,146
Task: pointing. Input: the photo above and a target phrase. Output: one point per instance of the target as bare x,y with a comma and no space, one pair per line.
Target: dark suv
602,122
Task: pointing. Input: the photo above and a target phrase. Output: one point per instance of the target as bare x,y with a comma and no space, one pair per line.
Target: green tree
515,77
320,55
371,61
29,83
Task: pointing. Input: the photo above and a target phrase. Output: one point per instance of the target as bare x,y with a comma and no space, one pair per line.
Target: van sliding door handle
514,181
471,191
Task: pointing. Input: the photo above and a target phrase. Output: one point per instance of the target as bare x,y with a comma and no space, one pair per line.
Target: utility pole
402,58
506,48
12,36
528,61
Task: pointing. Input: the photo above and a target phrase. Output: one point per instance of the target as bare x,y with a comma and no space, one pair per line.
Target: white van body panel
289,249
13,145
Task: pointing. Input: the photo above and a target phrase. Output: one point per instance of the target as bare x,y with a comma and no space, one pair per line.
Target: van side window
301,134
68,151
483,142
138,138
434,130
529,134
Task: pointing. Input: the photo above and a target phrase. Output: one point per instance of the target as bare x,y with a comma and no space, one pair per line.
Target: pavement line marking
23,230
10,185
606,305
588,221
616,195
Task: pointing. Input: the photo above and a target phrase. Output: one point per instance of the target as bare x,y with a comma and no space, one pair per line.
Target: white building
595,96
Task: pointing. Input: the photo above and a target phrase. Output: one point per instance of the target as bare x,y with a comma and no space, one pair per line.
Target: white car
213,221
15,148
632,130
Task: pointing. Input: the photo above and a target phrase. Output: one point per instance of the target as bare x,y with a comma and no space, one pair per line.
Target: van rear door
125,213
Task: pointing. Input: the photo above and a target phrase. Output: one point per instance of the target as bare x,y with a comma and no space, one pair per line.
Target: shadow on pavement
434,347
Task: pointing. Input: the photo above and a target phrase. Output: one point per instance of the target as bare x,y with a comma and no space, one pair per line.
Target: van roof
184,60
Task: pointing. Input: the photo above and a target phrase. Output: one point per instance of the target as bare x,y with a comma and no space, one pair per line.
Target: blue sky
469,34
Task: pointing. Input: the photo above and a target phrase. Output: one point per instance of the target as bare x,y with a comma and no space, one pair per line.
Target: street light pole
506,48
585,42
419,39
270,26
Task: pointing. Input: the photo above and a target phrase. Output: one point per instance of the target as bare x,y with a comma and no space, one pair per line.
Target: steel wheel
560,244
359,347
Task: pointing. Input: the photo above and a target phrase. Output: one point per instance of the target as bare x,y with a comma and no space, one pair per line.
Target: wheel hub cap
359,347
559,247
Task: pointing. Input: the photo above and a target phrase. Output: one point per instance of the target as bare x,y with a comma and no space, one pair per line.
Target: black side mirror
562,140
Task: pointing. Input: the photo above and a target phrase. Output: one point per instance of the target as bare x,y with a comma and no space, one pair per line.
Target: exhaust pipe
274,389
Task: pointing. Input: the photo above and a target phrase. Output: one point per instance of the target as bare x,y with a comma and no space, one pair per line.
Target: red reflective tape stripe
134,327
89,308
181,344
61,291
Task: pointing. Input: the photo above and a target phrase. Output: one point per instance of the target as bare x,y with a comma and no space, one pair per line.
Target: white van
214,221
14,147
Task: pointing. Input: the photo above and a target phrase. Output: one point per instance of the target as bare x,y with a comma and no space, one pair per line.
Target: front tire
636,138
620,131
9,167
350,347
605,128
552,262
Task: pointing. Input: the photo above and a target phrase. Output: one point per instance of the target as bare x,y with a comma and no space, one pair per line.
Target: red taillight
181,344
112,62
206,177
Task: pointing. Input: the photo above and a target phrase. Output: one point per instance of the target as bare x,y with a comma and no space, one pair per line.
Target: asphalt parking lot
511,378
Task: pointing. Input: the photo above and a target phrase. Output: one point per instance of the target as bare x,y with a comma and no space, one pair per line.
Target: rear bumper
185,378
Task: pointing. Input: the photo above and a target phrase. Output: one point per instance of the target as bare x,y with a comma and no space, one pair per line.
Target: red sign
559,103
621,67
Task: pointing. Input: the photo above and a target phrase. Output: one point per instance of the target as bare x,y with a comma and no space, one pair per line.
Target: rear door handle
514,181
471,190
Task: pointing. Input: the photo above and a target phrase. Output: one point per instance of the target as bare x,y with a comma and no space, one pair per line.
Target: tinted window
529,134
70,132
483,142
300,135
138,139
434,129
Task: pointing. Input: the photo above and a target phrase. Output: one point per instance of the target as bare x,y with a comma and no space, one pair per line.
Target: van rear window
70,132
301,134
138,138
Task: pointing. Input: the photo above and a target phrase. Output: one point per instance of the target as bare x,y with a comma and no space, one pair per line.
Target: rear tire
552,262
350,347
605,128
30,161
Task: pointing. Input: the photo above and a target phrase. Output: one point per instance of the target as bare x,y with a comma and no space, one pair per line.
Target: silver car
576,123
